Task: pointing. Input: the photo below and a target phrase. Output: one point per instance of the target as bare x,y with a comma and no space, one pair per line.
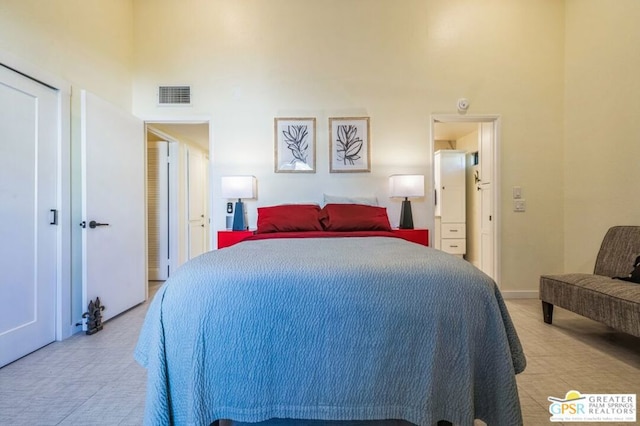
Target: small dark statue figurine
94,316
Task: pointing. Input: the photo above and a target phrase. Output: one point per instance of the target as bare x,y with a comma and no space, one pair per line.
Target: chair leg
547,312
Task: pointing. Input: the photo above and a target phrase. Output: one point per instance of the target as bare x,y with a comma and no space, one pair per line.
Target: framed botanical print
349,145
295,145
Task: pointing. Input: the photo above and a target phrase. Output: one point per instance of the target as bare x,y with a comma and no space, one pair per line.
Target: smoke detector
463,105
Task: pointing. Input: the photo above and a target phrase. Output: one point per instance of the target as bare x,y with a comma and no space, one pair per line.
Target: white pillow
338,199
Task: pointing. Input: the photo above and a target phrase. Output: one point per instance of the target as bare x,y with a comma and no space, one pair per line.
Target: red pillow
354,217
288,218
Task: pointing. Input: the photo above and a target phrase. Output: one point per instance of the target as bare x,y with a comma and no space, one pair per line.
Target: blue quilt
330,329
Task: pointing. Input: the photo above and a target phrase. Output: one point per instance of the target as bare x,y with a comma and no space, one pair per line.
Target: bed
324,327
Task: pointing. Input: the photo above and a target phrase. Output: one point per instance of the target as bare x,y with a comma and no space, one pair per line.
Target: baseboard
519,294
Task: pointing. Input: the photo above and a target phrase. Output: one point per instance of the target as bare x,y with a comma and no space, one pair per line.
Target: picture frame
295,144
349,145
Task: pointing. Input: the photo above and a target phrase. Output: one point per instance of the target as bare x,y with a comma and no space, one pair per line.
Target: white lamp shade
238,187
406,186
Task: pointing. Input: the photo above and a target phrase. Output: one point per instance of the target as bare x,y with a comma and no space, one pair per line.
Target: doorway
177,194
475,142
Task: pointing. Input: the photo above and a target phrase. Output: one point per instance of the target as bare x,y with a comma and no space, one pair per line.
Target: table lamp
239,187
406,186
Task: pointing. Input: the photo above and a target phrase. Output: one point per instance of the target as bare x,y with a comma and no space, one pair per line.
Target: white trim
34,71
455,118
185,206
213,236
64,319
174,246
83,197
478,118
187,119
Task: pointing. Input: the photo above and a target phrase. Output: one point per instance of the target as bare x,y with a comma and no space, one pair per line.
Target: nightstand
228,238
418,236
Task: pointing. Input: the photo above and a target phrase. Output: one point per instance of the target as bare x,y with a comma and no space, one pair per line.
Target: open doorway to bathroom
466,222
177,195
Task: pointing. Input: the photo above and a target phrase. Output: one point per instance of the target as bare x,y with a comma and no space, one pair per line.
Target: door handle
93,224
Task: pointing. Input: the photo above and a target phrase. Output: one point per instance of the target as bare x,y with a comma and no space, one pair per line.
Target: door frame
172,177
173,224
495,174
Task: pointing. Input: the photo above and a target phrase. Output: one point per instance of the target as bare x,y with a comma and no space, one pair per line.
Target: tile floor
94,379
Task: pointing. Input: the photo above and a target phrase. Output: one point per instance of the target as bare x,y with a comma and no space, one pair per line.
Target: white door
486,152
113,198
197,172
29,189
487,218
486,229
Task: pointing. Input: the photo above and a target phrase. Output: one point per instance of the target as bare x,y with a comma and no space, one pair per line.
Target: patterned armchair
598,296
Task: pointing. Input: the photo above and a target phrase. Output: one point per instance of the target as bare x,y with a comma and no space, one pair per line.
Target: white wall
602,133
558,73
249,61
87,43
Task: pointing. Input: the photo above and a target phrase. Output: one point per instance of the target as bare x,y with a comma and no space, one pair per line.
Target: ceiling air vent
174,95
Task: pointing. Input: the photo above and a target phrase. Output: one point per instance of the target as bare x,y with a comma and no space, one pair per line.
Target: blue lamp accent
238,217
239,187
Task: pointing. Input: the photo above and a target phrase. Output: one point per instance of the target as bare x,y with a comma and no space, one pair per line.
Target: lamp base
238,217
406,218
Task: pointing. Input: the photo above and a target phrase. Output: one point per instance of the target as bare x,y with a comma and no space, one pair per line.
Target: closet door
29,191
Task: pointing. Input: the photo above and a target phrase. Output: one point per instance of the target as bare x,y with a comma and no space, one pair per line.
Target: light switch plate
519,205
517,192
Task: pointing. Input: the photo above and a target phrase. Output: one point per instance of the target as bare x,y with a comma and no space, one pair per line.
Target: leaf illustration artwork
349,144
296,139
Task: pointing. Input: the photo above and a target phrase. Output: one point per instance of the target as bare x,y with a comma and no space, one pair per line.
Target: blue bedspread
333,329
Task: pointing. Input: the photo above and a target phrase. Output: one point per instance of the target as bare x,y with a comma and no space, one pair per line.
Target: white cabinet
449,168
